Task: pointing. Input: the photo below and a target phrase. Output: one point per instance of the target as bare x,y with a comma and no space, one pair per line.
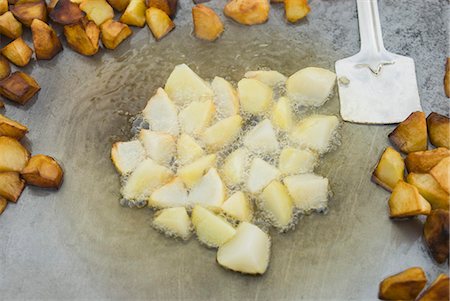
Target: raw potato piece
83,38
11,128
423,162
196,117
13,156
255,96
159,22
192,173
278,205
296,9
438,290
119,5
269,77
114,33
248,12
447,78
97,11
295,161
238,206
207,24
262,138
260,175
439,129
173,194
134,13
247,252
66,12
411,134
188,149
5,69
436,232
406,201
46,43
405,285
173,222
11,186
19,87
308,191
235,166
226,98
43,171
310,86
222,133
430,190
159,146
390,169
18,52
127,155
9,26
28,10
441,174
161,113
282,115
209,191
3,201
211,229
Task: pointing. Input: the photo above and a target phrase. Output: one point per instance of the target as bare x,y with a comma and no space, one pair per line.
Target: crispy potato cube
438,290
45,40
441,174
9,26
5,69
405,285
11,186
114,33
97,11
28,10
411,134
167,6
18,52
119,5
11,128
65,13
406,201
447,78
19,87
296,9
134,14
436,232
248,12
390,169
3,8
43,171
430,190
13,156
423,162
83,39
159,22
3,201
439,130
207,24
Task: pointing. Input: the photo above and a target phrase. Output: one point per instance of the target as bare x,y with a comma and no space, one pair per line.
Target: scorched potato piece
3,201
11,128
438,290
13,156
296,9
11,186
439,130
119,5
134,13
430,190
159,22
423,162
390,169
18,52
83,38
207,24
9,26
5,69
43,171
66,12
167,6
28,10
98,11
411,134
406,201
19,87
436,234
46,43
405,285
114,33
441,174
248,12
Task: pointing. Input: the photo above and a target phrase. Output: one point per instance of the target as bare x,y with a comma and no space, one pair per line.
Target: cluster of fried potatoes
426,190
18,167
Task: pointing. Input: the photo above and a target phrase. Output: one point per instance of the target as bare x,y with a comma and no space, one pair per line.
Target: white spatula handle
370,28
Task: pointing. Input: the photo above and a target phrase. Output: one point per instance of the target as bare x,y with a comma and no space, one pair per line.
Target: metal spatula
376,86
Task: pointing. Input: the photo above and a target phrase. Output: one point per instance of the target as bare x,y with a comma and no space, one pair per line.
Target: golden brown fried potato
406,201
207,24
3,202
439,130
28,10
98,11
13,156
43,171
18,52
438,290
390,169
119,5
411,134
441,174
436,234
2,104
134,14
423,162
167,6
65,13
159,22
3,6
11,186
114,33
430,190
248,12
5,69
296,9
11,128
405,285
19,87
83,39
9,26
45,40
447,78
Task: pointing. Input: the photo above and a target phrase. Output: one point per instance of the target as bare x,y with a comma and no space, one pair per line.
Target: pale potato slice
188,149
13,156
390,169
209,191
430,190
315,132
235,166
255,96
282,116
173,222
134,14
185,86
226,98
411,134
310,86
172,194
405,285
222,133
158,146
424,161
146,178
406,201
269,77
127,155
278,205
196,117
438,290
439,129
11,186
441,174
11,128
193,172
262,138
238,206
161,113
308,191
295,161
260,175
211,229
247,252
98,11
247,12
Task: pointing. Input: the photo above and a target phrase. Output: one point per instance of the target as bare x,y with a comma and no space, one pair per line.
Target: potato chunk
127,155
390,169
119,5
18,52
43,171
114,33
235,166
207,24
167,6
222,133
439,130
441,174
161,113
11,186
83,38
295,161
271,78
13,156
193,172
308,191
188,149
3,201
159,22
430,190
28,10
172,194
282,116
19,87
11,128
134,14
423,162
438,290
159,146
238,207
447,78
45,40
411,134
66,12
209,191
406,201
248,12
9,26
98,11
3,8
260,175
405,285
296,9
173,222
262,138
226,98
436,234
277,204
196,117
255,96
5,69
